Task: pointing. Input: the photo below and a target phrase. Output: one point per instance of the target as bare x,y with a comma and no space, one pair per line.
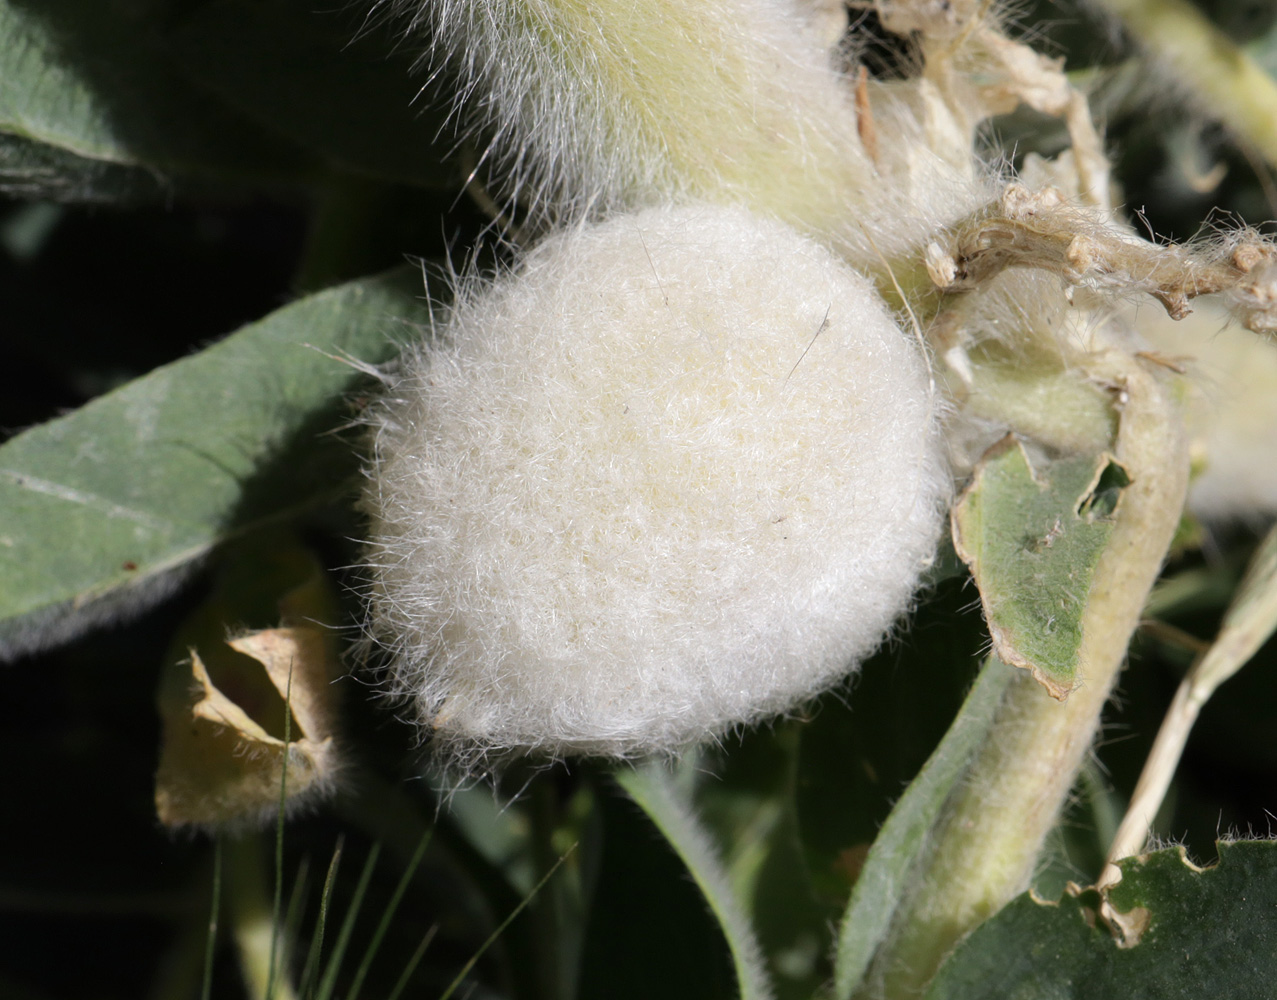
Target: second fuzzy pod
678,471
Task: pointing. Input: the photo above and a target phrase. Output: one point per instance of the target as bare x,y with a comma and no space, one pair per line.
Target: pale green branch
1231,84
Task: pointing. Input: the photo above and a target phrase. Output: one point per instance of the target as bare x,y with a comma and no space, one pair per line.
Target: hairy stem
986,847
1035,229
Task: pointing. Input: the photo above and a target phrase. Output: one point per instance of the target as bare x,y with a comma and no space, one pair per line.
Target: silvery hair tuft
679,471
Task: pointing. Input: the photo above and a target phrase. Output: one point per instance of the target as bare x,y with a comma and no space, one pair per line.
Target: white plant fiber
609,106
678,472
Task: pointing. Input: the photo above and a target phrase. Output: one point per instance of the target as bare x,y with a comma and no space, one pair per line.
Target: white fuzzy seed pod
679,472
615,105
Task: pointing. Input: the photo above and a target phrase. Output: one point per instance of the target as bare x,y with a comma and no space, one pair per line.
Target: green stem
550,905
1234,87
252,915
986,847
215,906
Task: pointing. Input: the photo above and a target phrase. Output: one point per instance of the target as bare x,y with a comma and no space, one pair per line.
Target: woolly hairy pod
604,107
678,472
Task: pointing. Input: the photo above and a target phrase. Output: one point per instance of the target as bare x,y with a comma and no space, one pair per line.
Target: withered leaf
1032,535
223,755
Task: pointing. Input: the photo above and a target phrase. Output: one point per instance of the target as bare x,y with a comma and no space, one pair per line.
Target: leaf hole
1101,501
244,681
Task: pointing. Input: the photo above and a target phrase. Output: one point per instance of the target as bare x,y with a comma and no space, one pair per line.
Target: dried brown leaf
223,757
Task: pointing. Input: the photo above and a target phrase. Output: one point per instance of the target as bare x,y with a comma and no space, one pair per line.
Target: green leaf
33,170
653,789
90,90
1169,931
100,507
303,72
858,752
1032,536
1044,400
884,879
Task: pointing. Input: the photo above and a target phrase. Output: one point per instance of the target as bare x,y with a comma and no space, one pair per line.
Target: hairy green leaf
884,879
34,170
1052,405
653,789
90,88
100,507
858,752
1032,536
1169,931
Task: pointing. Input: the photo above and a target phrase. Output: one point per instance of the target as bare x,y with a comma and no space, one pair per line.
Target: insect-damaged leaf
1170,931
239,713
1032,536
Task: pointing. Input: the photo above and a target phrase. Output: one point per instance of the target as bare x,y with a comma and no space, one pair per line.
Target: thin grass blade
473,959
413,962
279,846
373,945
328,984
317,936
211,947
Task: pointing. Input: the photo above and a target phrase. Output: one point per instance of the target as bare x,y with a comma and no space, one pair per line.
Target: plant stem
987,845
1155,779
1248,624
252,915
215,906
551,904
1234,87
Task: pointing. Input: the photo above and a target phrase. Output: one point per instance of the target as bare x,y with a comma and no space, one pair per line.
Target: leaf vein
73,494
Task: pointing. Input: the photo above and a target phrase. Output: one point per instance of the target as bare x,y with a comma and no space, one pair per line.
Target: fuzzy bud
612,106
678,472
